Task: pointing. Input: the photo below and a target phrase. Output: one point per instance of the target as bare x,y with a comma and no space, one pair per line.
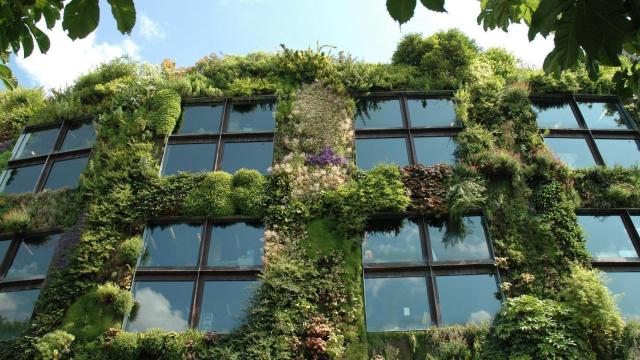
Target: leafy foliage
165,111
54,346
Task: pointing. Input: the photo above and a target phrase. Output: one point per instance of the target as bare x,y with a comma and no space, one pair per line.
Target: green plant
631,341
164,111
248,195
211,197
16,220
54,345
120,299
129,251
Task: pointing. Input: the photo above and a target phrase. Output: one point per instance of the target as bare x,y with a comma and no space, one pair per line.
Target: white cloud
479,316
66,60
150,29
7,303
156,312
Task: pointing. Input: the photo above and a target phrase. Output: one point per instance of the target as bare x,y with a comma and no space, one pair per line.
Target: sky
185,31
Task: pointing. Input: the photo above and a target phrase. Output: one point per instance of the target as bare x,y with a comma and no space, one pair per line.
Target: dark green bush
631,341
248,193
164,112
129,251
211,197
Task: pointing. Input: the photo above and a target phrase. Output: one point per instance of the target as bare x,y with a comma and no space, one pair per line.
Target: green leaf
124,12
401,10
80,18
502,13
567,49
434,5
7,78
27,41
545,18
41,38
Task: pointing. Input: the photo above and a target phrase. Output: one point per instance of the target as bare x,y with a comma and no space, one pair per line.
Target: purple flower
326,157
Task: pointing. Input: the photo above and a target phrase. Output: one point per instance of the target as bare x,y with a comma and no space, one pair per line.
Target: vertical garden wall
315,206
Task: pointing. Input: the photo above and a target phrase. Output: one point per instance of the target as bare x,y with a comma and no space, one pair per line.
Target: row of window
203,274
49,158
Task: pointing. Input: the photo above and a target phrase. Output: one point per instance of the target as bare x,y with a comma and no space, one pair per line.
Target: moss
164,112
91,315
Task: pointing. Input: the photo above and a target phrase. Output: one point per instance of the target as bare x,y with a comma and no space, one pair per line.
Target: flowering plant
325,158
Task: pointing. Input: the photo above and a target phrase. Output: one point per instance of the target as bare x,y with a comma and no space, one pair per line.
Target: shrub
129,251
427,187
164,112
248,192
54,345
473,140
212,197
529,328
120,299
16,220
631,341
123,346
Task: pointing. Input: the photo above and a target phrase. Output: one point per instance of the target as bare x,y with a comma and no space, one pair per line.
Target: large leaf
125,14
567,49
27,41
605,28
401,10
434,5
545,18
502,13
50,9
41,38
80,18
7,78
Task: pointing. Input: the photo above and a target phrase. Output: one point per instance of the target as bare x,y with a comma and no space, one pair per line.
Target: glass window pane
572,151
224,304
188,158
33,257
396,304
172,245
79,136
239,244
371,152
4,247
403,245
607,237
162,304
35,143
602,115
472,245
252,118
201,119
256,155
432,113
65,173
431,150
22,179
554,114
15,312
467,298
378,114
626,287
623,152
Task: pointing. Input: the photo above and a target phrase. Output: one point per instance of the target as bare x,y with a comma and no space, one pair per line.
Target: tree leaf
41,38
7,78
401,10
434,5
545,18
80,18
27,41
567,49
124,12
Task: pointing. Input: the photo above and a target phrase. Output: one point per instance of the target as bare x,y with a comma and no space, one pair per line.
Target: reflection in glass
35,143
404,245
602,115
371,152
432,113
432,150
162,304
625,287
15,312
65,173
554,114
252,118
79,136
172,245
188,158
472,245
33,257
378,114
4,247
467,298
201,119
22,179
607,237
256,155
623,152
239,244
574,152
224,304
396,304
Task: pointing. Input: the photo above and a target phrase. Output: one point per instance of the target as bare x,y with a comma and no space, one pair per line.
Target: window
417,274
406,129
49,157
585,131
613,242
197,274
24,262
225,135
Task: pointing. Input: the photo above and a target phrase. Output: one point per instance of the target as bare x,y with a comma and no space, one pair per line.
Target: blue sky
187,30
